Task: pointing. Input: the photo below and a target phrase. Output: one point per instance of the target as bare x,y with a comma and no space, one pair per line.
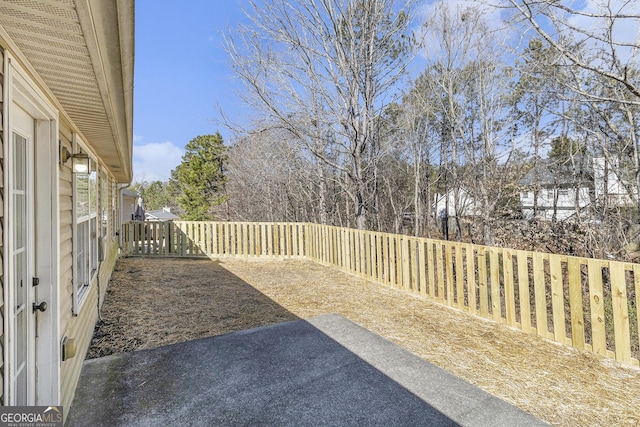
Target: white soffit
83,51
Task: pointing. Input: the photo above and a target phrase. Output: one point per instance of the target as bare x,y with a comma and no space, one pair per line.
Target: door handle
42,306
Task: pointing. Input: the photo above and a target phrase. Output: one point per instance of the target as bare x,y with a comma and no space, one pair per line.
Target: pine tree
201,177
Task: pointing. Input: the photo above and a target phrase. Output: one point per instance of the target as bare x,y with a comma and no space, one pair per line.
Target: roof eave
112,56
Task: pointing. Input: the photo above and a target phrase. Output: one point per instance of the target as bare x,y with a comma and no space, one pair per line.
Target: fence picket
509,290
471,279
620,312
523,290
575,302
557,299
540,295
494,275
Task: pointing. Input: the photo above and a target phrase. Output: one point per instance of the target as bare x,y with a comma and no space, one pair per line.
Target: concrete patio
325,370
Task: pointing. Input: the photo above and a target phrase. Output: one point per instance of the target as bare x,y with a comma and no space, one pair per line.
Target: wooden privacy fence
213,239
589,304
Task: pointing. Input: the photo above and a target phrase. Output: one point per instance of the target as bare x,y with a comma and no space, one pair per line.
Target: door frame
22,90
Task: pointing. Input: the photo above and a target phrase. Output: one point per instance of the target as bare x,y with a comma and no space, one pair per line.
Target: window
85,241
114,212
564,192
104,204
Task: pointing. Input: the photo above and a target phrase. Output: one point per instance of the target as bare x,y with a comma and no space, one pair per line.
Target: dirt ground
153,302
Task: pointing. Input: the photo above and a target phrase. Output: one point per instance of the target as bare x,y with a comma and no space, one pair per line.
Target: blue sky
181,76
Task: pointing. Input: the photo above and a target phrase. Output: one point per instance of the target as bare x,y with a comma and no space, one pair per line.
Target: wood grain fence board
557,298
365,254
358,246
261,236
204,240
399,259
177,239
192,235
127,234
483,290
350,251
188,235
459,277
226,241
159,237
471,279
371,253
168,249
540,295
289,227
422,267
575,302
404,242
135,239
386,248
252,240
393,260
332,246
440,270
523,290
509,287
338,246
448,256
378,254
431,273
620,312
255,230
218,237
494,276
210,231
341,241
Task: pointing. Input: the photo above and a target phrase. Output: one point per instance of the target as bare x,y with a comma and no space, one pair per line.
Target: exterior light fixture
80,160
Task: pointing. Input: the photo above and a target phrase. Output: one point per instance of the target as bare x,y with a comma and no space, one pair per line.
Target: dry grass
154,302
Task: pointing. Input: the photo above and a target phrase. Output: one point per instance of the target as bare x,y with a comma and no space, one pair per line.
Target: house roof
129,193
81,52
162,215
568,173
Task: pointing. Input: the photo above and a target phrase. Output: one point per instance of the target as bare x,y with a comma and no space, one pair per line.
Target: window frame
85,228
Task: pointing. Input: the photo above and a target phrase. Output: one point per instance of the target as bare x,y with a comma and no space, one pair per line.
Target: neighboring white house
129,202
163,214
66,109
565,188
456,203
607,183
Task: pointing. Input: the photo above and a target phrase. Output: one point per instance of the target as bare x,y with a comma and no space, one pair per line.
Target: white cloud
155,160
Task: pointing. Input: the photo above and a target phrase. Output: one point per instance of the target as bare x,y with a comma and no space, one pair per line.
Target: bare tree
466,61
323,70
602,39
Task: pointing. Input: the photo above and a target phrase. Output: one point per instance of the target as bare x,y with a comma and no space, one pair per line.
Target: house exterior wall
565,205
73,326
460,203
607,184
79,327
